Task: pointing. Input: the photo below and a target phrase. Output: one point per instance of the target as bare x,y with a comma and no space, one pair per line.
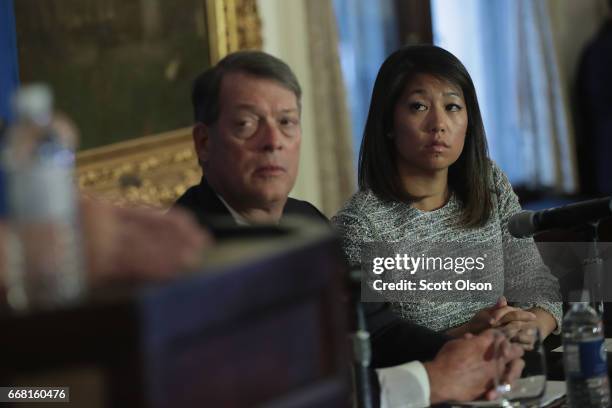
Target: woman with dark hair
425,176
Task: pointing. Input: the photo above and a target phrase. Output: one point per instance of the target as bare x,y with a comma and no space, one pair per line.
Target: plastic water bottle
45,265
584,358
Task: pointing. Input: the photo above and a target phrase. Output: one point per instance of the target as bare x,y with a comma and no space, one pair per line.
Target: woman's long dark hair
469,177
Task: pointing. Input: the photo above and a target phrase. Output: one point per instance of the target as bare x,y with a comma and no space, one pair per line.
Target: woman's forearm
545,321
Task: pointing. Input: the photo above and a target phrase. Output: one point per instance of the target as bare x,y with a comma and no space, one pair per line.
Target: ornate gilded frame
155,170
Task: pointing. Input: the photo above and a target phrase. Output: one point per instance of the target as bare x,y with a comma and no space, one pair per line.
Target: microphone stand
592,268
362,351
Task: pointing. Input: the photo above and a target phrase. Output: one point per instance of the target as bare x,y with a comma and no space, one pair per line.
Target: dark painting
121,69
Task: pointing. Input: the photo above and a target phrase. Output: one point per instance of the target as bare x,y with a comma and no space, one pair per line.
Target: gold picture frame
153,171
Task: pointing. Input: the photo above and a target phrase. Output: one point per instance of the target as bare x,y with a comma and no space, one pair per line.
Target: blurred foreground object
120,245
45,265
128,245
261,324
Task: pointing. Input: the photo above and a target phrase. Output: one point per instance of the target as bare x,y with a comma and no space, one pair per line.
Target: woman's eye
453,107
417,106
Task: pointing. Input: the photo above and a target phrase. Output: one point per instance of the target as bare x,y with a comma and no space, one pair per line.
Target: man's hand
465,369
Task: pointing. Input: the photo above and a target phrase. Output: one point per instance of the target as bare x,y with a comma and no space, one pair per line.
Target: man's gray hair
206,87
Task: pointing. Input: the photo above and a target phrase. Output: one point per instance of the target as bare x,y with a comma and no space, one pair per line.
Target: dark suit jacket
394,341
202,201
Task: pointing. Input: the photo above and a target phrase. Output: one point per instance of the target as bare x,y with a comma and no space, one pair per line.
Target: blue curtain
507,46
9,68
367,33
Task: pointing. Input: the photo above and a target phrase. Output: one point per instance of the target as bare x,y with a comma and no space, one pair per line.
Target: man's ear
201,134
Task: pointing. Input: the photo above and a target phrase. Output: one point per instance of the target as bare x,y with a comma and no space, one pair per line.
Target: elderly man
247,138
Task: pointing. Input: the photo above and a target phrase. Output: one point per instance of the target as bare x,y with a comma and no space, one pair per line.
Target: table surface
554,397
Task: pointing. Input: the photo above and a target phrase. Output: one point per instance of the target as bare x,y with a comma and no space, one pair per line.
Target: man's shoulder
203,203
189,197
303,208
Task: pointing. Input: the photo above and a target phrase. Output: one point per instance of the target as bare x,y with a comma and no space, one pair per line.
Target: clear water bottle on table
584,358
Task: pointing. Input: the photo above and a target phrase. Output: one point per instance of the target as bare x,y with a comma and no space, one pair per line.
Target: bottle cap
34,101
580,296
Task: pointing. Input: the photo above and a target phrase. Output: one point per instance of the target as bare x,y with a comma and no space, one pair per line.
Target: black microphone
527,223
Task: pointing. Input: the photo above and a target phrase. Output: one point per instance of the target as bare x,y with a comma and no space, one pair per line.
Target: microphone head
522,224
